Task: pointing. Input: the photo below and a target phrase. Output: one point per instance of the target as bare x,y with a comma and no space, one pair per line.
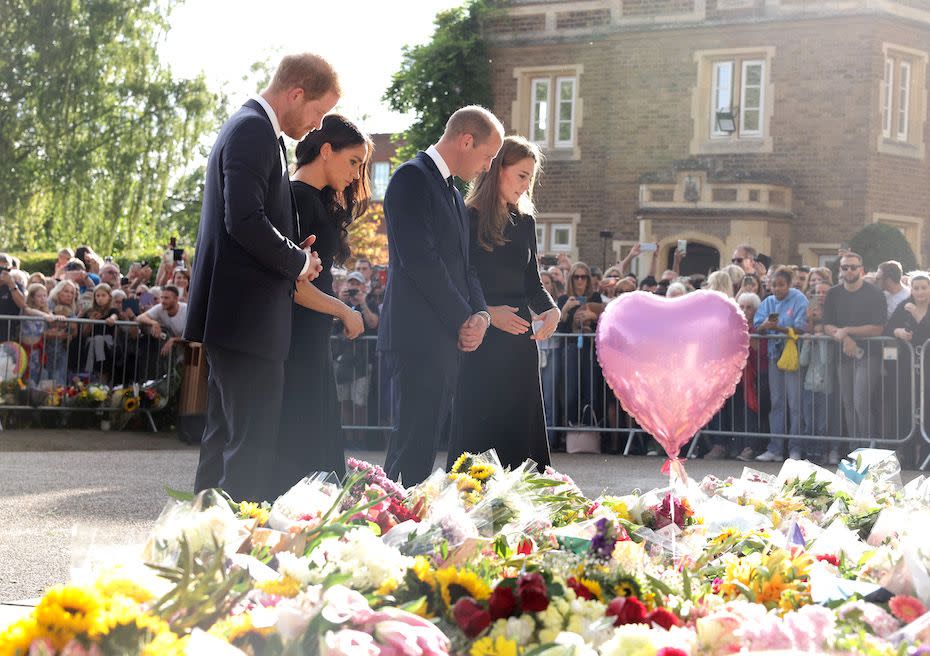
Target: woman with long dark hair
331,188
499,401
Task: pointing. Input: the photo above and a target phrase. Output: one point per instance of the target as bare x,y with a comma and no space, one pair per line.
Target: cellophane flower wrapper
447,521
305,504
508,506
204,521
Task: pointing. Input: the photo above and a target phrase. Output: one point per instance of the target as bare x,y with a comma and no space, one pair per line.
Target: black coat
242,283
432,287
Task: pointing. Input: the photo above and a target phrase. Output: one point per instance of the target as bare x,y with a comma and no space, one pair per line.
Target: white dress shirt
440,162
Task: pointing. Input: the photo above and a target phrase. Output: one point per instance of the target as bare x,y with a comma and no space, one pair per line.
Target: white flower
295,567
362,555
519,629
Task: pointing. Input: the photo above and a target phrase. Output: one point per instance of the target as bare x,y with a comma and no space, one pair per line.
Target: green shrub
878,243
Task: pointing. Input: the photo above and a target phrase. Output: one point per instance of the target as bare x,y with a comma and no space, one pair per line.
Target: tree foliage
438,77
96,136
367,235
878,243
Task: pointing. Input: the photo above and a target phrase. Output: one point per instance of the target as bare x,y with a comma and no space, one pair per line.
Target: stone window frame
703,141
910,226
546,222
523,106
813,253
892,139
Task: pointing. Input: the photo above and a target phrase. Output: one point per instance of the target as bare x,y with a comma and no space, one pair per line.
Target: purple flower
602,544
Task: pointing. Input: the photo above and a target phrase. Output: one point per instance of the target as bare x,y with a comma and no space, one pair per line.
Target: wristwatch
486,315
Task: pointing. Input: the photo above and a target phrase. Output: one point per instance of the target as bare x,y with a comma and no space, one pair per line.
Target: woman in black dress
910,322
332,189
499,401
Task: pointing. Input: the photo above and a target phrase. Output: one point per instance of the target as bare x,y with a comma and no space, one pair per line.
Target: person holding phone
499,404
785,308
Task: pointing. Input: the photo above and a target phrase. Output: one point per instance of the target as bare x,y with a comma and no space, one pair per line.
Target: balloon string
675,466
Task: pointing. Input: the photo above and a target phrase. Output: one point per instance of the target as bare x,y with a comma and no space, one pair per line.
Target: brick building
786,124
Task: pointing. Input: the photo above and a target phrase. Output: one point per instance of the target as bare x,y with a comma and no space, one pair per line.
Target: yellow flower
253,510
130,404
499,646
113,585
15,640
481,471
460,462
593,587
235,627
618,507
465,483
455,584
387,587
68,610
283,587
424,571
627,586
166,644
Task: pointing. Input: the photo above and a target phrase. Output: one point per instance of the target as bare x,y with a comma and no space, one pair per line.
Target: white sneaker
768,456
834,457
795,454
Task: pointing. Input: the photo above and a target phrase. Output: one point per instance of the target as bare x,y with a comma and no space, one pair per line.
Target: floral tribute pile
484,561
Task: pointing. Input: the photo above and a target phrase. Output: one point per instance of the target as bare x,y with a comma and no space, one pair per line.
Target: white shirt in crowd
894,300
174,324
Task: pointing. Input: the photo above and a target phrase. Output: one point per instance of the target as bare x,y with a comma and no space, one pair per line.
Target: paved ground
63,489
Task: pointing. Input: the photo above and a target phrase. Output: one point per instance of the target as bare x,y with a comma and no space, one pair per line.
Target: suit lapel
295,222
454,205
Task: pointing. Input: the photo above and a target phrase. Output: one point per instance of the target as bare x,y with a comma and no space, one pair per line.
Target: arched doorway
701,258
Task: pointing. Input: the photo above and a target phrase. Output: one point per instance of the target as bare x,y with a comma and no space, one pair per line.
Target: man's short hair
75,264
171,288
476,121
308,71
749,250
6,259
891,270
363,259
850,254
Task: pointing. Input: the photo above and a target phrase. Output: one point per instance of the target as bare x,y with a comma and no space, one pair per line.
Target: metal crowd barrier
362,384
48,365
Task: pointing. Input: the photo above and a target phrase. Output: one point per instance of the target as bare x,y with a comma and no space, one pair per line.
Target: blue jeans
56,361
785,416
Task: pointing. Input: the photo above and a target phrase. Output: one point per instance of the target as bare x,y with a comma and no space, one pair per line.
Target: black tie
284,151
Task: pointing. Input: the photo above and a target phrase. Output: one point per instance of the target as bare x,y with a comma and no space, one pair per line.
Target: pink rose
348,643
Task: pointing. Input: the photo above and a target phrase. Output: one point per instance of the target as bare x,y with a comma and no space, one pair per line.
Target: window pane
887,95
540,237
566,118
904,99
539,112
721,97
561,236
381,171
751,97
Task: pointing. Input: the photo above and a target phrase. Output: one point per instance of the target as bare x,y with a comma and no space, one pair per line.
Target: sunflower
461,463
465,483
628,586
112,586
283,587
237,627
386,588
166,644
455,584
68,610
499,646
18,636
130,404
594,587
424,571
481,471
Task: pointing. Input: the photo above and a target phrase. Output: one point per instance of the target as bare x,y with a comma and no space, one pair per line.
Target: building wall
636,90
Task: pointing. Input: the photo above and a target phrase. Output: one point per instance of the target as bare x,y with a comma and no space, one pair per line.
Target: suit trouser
243,412
423,387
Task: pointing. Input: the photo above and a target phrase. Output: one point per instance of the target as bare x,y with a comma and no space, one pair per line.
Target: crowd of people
136,317
842,385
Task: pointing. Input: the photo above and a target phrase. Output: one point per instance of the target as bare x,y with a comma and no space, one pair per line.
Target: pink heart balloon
672,363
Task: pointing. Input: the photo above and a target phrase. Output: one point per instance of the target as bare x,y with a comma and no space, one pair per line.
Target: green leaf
178,494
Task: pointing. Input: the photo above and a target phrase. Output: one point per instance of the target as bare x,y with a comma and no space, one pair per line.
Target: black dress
310,438
499,400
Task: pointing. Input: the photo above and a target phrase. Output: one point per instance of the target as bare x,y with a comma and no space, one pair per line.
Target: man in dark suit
433,306
245,272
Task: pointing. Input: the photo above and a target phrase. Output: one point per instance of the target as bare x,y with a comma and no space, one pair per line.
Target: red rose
470,616
502,603
664,618
533,594
671,651
525,547
829,558
626,610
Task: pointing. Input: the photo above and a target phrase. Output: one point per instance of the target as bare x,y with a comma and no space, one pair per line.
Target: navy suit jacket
432,287
242,283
